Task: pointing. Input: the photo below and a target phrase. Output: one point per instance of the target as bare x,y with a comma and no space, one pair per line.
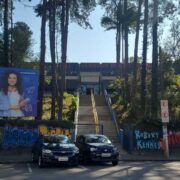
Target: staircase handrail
95,113
76,114
113,114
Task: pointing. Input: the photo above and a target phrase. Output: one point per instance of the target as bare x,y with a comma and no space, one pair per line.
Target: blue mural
19,136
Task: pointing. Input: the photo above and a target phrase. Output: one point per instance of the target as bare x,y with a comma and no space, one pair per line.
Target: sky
84,45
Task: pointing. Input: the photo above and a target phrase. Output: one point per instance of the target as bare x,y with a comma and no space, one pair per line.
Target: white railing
112,111
76,115
95,113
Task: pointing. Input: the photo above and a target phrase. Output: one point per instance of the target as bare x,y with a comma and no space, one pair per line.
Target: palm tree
114,20
119,20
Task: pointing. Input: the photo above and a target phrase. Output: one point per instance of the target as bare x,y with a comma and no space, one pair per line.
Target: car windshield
56,139
97,139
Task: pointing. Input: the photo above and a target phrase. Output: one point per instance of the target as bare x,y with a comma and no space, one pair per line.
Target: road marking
82,167
29,168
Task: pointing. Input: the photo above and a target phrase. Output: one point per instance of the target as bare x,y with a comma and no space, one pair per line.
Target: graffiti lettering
148,144
146,135
54,130
147,140
174,138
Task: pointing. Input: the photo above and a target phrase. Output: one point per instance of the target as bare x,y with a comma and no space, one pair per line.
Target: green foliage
69,107
114,17
172,93
21,44
133,115
79,11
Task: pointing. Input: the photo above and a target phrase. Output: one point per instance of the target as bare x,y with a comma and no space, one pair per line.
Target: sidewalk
19,155
150,156
24,156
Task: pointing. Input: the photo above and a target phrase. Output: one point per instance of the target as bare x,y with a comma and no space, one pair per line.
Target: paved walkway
24,155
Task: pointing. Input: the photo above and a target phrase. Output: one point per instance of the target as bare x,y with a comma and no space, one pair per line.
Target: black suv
95,147
54,149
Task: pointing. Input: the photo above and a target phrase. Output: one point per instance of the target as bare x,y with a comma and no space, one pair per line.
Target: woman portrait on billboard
11,96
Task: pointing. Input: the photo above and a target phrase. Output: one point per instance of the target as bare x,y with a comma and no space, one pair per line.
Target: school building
89,76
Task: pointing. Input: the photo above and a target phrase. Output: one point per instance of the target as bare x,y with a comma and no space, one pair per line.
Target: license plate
62,158
106,154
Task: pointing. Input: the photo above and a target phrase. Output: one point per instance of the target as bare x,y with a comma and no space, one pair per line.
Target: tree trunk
134,82
118,39
143,70
154,92
126,55
161,64
118,46
52,50
64,36
11,39
42,62
6,34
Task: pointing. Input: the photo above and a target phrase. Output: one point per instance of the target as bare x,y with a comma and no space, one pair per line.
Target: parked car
50,149
95,147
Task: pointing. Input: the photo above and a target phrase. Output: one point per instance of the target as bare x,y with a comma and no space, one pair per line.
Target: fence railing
95,113
112,111
76,116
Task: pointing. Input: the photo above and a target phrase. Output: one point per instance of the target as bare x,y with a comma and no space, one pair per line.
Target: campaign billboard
18,92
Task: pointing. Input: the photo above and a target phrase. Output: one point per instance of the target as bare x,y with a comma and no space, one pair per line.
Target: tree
52,32
78,11
144,55
114,18
21,44
42,61
172,43
154,90
6,34
134,83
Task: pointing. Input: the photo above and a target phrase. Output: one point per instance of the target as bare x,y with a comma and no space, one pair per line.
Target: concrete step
85,100
86,118
85,129
100,100
85,110
102,110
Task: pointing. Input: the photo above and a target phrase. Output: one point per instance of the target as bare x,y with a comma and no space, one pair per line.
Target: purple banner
18,92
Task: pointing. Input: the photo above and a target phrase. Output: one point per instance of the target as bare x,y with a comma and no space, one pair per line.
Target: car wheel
40,162
115,163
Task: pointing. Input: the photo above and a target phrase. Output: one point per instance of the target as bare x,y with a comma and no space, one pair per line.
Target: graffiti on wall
54,130
174,138
19,136
13,136
147,140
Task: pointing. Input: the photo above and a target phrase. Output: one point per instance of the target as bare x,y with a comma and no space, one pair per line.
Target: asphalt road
125,170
